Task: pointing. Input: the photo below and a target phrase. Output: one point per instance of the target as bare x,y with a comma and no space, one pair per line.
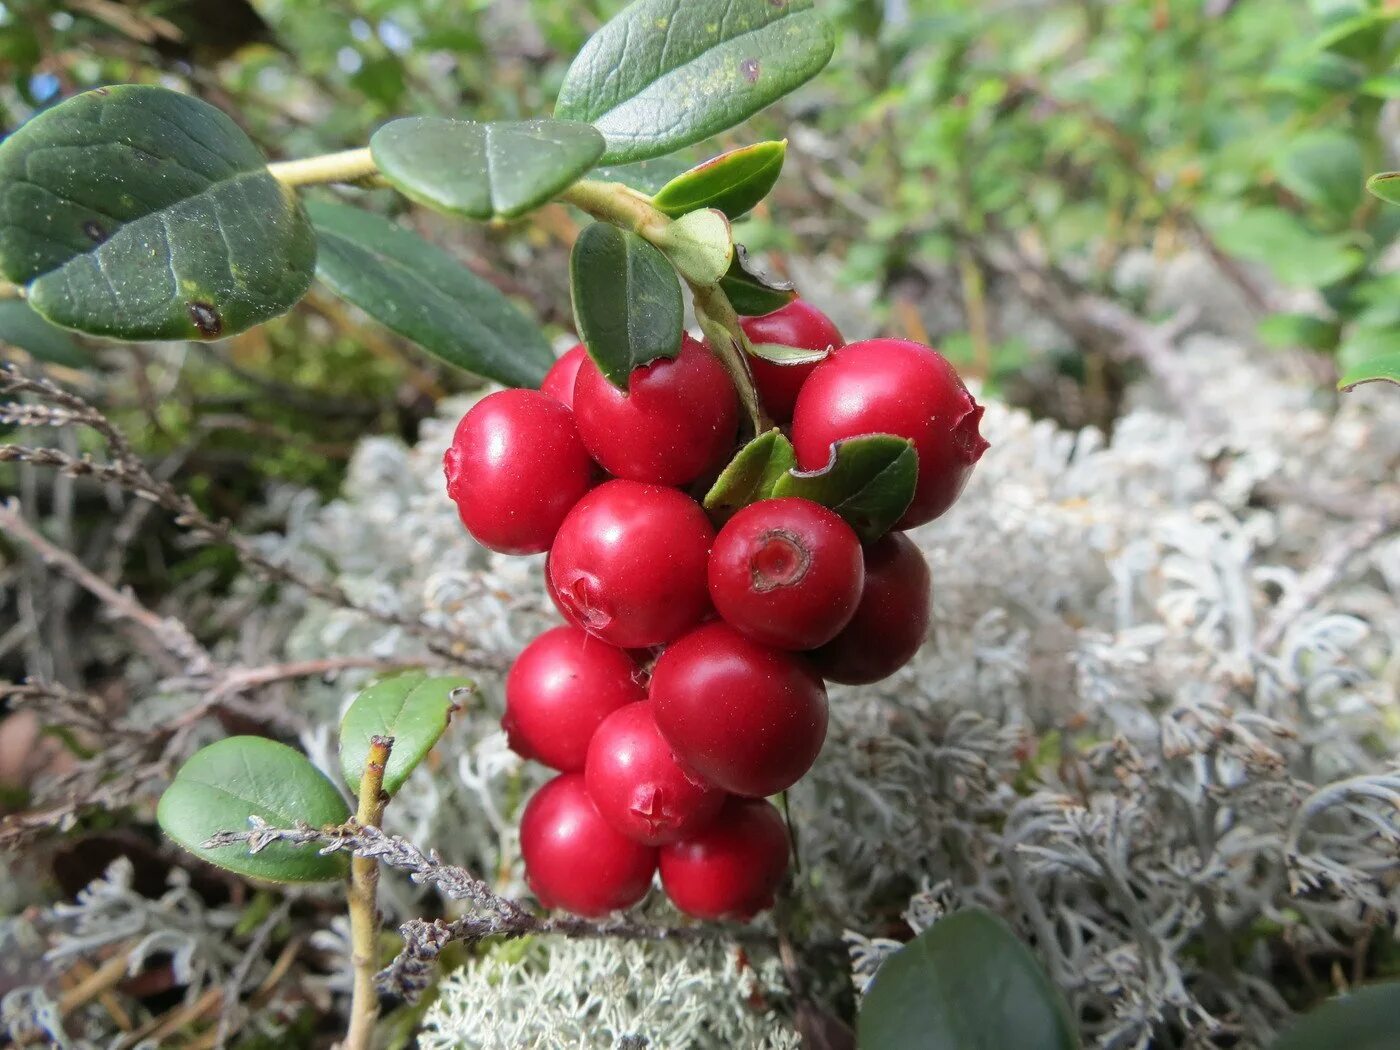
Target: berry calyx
560,689
573,857
893,386
798,324
787,573
516,467
637,784
676,420
733,868
748,718
558,382
629,563
891,620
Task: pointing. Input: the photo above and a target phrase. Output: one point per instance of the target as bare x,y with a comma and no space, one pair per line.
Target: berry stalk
628,209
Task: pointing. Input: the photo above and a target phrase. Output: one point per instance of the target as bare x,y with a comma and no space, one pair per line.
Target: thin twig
1325,571
131,474
494,915
173,635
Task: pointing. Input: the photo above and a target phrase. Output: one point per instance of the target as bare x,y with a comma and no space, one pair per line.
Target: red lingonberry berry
629,562
638,785
798,324
787,573
676,420
891,620
558,382
515,469
559,690
732,869
573,857
747,718
892,386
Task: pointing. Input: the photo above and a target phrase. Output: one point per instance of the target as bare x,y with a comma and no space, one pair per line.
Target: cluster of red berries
687,685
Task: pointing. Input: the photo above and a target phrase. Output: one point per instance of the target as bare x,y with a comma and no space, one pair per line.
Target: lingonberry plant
139,213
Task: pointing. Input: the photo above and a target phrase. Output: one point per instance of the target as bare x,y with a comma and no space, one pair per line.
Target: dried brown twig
60,408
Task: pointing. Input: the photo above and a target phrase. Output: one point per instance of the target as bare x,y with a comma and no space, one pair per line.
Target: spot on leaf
94,231
206,319
749,67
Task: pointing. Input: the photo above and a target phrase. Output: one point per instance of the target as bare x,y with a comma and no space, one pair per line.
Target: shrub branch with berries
708,582
687,686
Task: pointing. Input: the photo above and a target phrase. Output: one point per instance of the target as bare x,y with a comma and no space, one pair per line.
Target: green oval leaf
751,474
484,171
221,786
1384,368
422,293
627,301
665,73
1364,1019
1325,169
141,213
752,292
413,708
1386,186
733,182
869,481
20,326
779,354
699,245
965,983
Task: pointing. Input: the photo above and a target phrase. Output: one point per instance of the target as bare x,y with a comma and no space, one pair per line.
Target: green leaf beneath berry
752,292
140,213
733,182
413,708
869,481
422,293
20,326
1382,369
627,301
484,170
1364,1019
751,475
665,73
965,983
224,784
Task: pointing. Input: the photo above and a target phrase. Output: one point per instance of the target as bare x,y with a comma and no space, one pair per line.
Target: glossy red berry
891,620
638,785
747,718
676,420
574,859
892,386
732,869
787,573
558,382
628,564
515,469
559,690
798,324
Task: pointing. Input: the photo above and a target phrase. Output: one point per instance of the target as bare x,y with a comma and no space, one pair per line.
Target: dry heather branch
59,408
493,916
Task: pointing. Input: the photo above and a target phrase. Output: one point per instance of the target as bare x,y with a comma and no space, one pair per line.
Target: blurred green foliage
1075,130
